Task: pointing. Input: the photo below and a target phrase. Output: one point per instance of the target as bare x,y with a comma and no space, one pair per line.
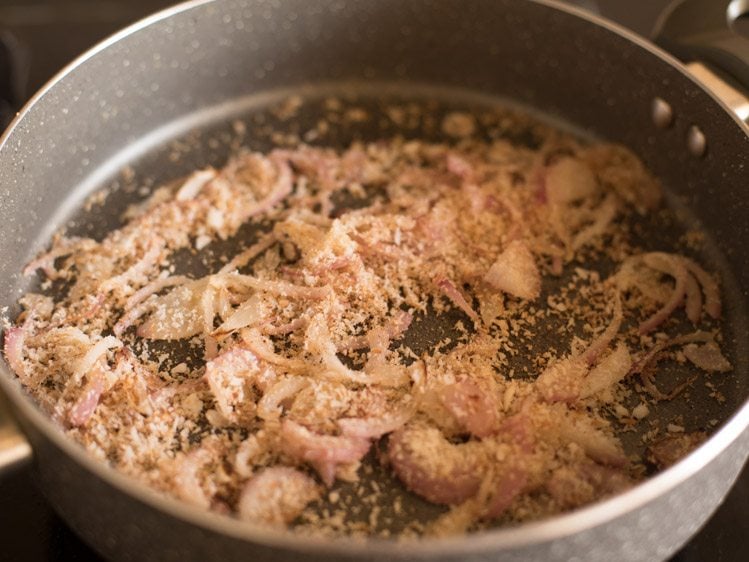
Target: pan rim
492,540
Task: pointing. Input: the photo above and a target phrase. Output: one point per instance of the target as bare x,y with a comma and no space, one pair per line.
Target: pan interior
355,112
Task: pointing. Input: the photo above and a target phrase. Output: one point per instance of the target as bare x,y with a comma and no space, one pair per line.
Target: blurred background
38,38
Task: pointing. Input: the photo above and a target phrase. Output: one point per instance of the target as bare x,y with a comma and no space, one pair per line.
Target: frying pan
201,64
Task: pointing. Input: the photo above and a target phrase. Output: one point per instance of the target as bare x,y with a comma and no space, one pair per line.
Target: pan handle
15,450
703,34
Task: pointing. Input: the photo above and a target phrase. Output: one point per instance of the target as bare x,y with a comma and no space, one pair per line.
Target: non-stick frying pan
198,66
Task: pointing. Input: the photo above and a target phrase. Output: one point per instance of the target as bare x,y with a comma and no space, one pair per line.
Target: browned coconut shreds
304,358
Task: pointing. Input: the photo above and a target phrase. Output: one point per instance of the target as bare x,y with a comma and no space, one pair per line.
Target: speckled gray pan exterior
210,54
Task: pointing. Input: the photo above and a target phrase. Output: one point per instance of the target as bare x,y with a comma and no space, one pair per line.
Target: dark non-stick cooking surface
208,140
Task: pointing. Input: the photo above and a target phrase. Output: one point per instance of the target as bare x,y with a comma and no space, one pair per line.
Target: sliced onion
695,337
380,373
510,484
456,297
154,287
187,483
518,429
709,287
246,256
88,399
66,246
641,366
515,273
459,166
87,362
224,301
227,376
13,347
319,343
249,313
707,357
136,271
136,305
194,184
432,467
597,445
648,383
276,496
604,215
689,278
612,369
177,314
562,380
313,162
263,349
323,452
569,180
375,427
208,307
580,483
252,451
474,408
377,367
282,188
270,405
590,355
672,266
282,288
287,328
693,300
394,327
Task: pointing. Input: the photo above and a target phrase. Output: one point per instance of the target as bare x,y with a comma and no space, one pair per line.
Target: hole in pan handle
706,35
15,450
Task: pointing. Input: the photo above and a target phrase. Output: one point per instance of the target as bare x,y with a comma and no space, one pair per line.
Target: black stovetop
37,38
